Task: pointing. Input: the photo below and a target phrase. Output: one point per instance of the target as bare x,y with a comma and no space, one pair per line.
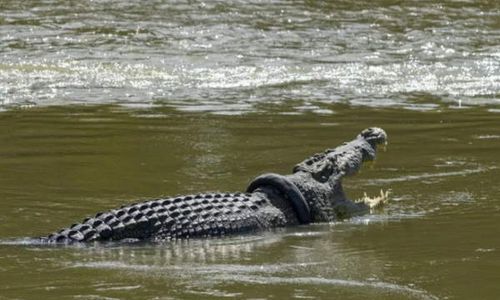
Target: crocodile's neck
320,196
278,200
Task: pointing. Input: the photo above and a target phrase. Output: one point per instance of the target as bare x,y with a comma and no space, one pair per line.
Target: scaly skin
313,193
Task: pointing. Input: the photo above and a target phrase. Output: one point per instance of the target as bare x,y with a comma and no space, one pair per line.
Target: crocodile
312,193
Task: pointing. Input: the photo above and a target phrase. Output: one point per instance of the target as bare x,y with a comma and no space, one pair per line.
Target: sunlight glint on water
231,53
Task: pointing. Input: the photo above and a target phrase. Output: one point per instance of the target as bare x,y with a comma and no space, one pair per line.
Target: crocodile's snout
374,135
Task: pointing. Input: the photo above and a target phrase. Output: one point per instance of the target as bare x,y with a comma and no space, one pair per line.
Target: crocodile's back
211,214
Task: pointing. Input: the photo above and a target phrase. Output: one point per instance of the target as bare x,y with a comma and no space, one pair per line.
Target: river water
107,102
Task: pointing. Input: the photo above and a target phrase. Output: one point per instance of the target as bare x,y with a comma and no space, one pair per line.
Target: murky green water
106,102
438,237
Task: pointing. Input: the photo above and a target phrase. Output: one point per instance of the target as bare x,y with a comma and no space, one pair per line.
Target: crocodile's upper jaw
346,159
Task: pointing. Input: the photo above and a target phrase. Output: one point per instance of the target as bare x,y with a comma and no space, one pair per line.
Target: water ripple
430,175
245,273
378,285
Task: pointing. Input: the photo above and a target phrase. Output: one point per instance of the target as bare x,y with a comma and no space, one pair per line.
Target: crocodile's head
319,177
